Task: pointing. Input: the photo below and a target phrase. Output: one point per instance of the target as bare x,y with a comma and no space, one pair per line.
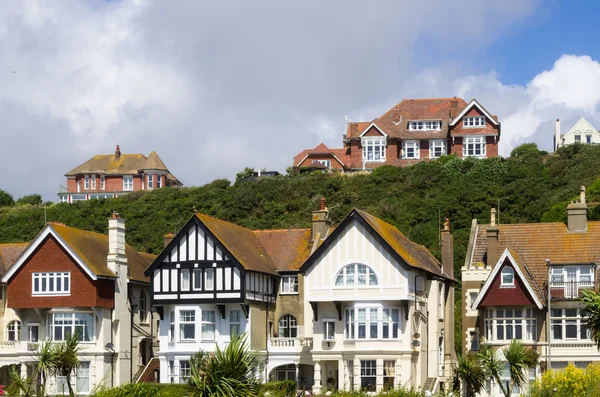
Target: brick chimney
117,153
577,214
167,239
447,250
492,240
319,221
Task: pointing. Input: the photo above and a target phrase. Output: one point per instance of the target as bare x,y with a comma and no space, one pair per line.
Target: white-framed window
172,326
102,182
13,329
588,139
471,298
185,371
371,323
389,374
93,182
158,181
410,149
143,307
373,148
197,276
441,302
428,125
437,148
508,277
34,332
474,146
86,182
326,163
150,181
474,121
209,279
185,279
368,374
473,339
63,325
328,329
79,186
127,182
187,325
234,323
569,324
55,283
82,378
208,324
288,326
289,284
582,274
355,274
577,138
505,324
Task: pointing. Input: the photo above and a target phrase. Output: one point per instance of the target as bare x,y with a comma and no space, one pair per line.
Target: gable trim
572,130
369,127
47,231
468,107
332,154
488,283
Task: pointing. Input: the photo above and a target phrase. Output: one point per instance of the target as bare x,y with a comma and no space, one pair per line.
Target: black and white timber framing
197,268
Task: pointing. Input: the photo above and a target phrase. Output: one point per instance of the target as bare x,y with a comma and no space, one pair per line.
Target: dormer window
477,121
508,277
373,148
430,125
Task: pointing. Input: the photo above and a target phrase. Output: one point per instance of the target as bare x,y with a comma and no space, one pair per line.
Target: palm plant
44,362
471,373
64,360
228,372
19,386
591,300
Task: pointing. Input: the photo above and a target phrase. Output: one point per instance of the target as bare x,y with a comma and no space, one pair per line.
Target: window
185,371
472,299
86,182
143,307
477,121
368,374
158,181
150,181
355,275
286,372
329,329
51,283
437,148
172,370
424,125
441,302
474,341
14,331
326,163
577,138
34,333
289,284
569,324
102,182
350,365
583,275
208,325
234,323
389,374
390,323
288,326
63,325
185,279
187,325
373,149
410,150
82,377
93,182
505,324
474,146
588,139
171,326
128,182
209,279
508,276
197,273
367,323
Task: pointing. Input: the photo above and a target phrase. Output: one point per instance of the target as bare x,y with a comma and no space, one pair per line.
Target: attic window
355,274
508,277
478,121
425,125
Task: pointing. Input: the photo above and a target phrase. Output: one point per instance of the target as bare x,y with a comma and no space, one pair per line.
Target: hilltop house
519,277
356,306
69,281
412,131
108,176
581,132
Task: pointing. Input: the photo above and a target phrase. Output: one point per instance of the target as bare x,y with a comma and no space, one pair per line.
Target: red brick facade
51,257
498,295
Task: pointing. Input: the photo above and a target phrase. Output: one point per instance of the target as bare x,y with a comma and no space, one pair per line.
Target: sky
214,87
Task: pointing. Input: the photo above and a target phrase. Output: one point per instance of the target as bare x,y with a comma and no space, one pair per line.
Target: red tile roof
321,151
289,248
9,253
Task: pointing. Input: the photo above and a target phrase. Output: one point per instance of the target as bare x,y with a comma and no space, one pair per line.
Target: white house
581,132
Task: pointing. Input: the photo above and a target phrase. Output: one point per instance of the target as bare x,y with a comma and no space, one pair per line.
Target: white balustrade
290,343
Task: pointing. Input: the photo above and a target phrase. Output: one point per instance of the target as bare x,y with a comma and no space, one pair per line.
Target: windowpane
351,275
208,325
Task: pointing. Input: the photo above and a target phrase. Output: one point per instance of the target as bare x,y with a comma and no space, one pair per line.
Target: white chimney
557,135
116,244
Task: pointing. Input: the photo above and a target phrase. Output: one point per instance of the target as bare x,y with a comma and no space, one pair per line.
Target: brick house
517,277
69,281
412,131
112,175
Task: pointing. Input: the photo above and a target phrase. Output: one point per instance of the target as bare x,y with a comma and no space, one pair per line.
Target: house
112,175
412,131
354,306
517,277
69,281
581,132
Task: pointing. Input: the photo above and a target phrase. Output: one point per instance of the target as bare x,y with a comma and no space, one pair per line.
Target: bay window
371,323
505,324
474,146
410,149
569,324
63,325
437,148
373,148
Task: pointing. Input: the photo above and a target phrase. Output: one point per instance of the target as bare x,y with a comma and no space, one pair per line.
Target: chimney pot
493,217
118,152
447,224
319,221
582,195
447,250
115,215
322,204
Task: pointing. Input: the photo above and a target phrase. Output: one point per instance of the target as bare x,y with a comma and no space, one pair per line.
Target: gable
498,295
582,127
468,110
373,130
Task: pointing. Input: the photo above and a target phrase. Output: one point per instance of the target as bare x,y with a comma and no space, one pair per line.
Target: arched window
143,307
14,331
508,276
288,326
355,274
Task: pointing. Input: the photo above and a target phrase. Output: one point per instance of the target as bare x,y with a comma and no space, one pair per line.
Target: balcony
570,290
290,345
18,347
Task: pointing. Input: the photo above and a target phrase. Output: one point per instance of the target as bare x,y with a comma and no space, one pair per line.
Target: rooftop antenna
45,214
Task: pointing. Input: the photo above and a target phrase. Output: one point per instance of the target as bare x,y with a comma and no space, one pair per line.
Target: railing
8,347
290,343
570,289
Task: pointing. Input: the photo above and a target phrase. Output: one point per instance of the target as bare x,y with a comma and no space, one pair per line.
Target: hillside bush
569,382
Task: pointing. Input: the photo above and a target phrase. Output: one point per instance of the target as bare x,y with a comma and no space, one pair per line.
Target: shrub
130,390
569,382
282,388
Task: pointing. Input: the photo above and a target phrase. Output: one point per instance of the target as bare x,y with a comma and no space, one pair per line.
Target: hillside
530,186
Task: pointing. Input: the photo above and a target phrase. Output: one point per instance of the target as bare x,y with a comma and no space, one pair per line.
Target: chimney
557,135
447,250
492,240
167,239
319,221
577,214
117,153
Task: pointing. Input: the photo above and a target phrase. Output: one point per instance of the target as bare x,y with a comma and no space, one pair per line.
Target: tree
64,361
471,373
31,199
591,300
6,199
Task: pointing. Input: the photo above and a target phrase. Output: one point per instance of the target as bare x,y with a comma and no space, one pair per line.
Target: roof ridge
432,99
281,230
81,230
224,221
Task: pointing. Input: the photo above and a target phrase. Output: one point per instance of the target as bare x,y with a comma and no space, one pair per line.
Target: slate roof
9,253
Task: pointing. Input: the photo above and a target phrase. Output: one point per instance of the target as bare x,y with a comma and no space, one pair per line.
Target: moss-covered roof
9,253
288,248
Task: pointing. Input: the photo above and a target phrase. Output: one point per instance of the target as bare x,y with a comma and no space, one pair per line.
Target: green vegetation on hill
530,186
